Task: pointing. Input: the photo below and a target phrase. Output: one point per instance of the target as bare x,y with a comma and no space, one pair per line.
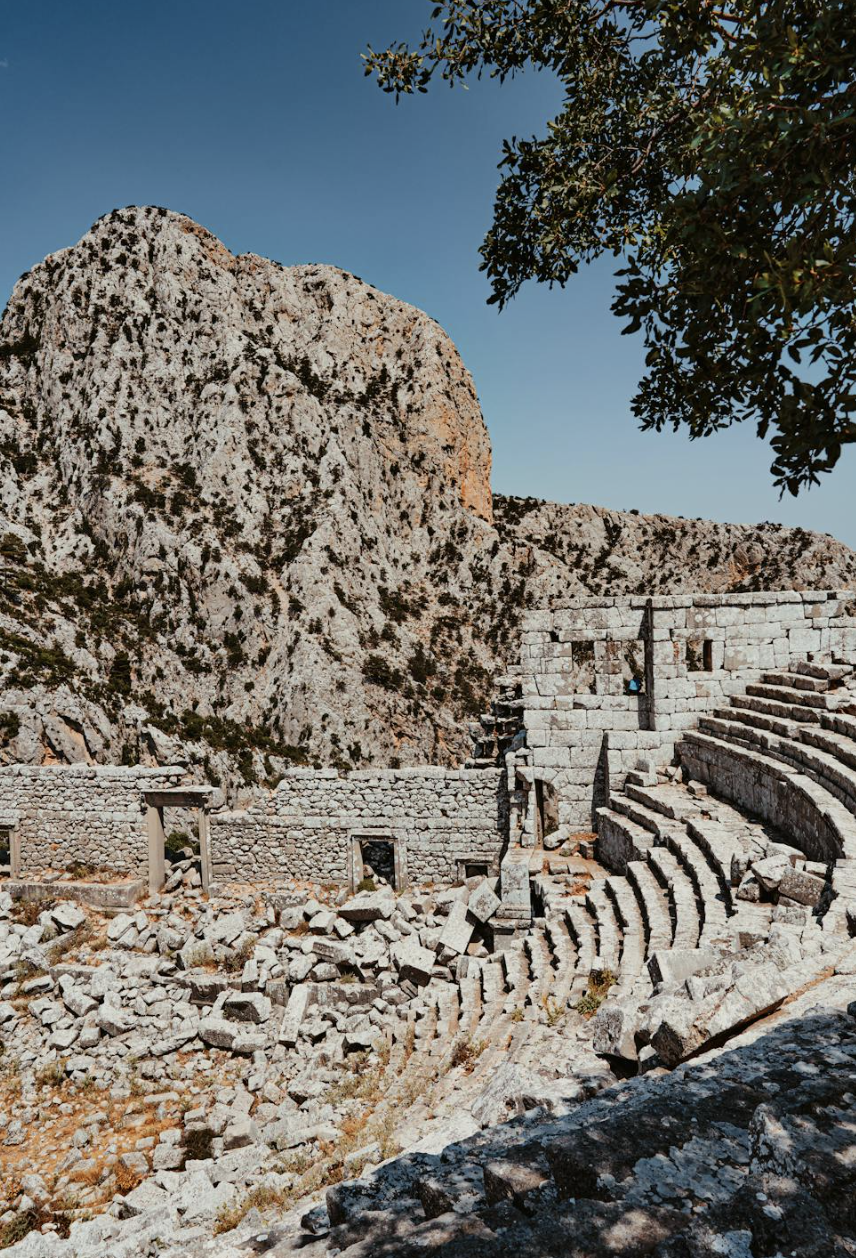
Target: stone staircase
771,783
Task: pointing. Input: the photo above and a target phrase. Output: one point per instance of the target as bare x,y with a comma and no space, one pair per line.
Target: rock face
245,518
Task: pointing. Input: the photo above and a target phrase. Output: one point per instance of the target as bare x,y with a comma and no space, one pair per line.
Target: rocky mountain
246,519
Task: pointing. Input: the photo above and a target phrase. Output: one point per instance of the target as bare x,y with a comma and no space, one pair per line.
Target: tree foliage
709,144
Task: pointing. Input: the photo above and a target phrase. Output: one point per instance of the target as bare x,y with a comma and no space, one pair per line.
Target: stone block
803,887
368,906
414,962
295,1011
674,966
483,902
505,1180
247,1007
334,951
458,929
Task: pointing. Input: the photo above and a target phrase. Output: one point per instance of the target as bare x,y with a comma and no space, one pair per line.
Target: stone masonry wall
87,814
442,818
585,731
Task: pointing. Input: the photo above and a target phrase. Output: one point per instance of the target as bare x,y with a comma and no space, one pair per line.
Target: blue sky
255,119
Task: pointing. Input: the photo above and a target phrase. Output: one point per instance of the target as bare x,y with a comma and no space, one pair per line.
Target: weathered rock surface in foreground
245,518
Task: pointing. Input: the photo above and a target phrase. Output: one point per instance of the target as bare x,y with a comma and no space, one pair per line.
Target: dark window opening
707,655
378,861
477,869
5,852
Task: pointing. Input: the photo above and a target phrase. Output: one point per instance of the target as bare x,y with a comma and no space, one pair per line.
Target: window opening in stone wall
582,668
5,852
378,857
707,655
695,655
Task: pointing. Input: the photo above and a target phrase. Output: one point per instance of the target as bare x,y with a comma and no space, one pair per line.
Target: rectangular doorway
376,857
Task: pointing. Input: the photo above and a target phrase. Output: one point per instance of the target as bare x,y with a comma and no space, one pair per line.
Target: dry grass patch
598,989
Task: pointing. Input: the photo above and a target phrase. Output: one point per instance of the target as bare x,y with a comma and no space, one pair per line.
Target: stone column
205,849
157,839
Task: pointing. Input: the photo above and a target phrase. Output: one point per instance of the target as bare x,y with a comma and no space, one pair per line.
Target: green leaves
711,148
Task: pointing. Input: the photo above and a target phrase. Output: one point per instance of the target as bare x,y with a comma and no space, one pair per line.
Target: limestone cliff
245,517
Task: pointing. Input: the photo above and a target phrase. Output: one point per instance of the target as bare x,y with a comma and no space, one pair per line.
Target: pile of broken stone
236,1017
796,930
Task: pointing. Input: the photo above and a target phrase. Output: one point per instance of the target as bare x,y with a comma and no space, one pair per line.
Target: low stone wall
691,652
439,819
88,814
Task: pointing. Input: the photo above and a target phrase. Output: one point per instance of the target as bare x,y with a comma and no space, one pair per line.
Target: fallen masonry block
294,1014
205,988
512,1181
326,994
118,926
368,906
414,962
514,882
360,1041
114,1020
195,952
614,1029
434,1196
290,1132
247,1007
458,929
218,1032
770,871
334,951
673,966
96,894
76,1000
681,1026
803,887
321,923
483,902
68,916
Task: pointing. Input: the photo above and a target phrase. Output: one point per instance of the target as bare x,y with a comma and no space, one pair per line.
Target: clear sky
254,117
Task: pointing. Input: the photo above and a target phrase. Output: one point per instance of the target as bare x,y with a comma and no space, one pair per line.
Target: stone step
681,894
796,681
493,982
540,963
645,817
839,723
620,839
840,745
787,694
772,707
824,766
706,882
831,672
653,905
761,720
566,954
517,979
629,915
721,845
810,815
581,927
607,928
654,799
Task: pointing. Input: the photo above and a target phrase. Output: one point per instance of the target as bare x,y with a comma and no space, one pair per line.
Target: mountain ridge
246,519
